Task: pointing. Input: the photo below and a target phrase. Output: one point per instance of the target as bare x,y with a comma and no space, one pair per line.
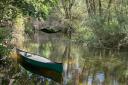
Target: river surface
82,65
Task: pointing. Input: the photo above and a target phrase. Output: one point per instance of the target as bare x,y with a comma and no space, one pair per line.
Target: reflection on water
82,66
99,77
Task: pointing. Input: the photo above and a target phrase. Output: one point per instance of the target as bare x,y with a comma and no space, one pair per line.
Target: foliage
9,9
4,41
108,22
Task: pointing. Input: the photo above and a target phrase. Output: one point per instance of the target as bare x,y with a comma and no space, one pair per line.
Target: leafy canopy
9,9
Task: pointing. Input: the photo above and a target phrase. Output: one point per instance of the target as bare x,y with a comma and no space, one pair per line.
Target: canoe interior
35,57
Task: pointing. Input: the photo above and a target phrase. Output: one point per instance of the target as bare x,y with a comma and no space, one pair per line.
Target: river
82,65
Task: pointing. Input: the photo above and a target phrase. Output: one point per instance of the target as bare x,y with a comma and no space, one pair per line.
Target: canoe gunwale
17,49
58,67
36,63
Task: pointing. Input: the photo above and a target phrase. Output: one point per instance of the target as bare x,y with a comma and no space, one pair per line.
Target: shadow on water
82,66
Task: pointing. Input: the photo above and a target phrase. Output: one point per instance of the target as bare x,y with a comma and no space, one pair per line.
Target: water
82,66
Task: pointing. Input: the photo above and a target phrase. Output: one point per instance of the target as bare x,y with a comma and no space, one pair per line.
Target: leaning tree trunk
17,34
18,31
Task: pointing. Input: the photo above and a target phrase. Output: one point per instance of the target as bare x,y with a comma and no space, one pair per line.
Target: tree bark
100,8
11,81
18,31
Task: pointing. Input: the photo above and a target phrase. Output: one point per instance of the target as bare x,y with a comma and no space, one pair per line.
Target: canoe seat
28,56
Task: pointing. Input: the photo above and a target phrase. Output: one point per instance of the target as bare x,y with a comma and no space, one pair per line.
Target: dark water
82,66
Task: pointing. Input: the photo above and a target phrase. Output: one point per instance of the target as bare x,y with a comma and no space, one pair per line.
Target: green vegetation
5,37
90,34
11,9
108,21
99,23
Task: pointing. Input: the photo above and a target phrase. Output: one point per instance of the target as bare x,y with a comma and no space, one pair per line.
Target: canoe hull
49,70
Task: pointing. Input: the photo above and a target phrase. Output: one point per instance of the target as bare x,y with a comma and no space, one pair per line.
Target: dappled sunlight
13,55
68,42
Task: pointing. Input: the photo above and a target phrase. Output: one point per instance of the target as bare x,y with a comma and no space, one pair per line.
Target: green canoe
40,65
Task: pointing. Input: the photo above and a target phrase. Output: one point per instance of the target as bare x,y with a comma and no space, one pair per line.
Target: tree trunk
11,81
18,31
76,77
18,35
